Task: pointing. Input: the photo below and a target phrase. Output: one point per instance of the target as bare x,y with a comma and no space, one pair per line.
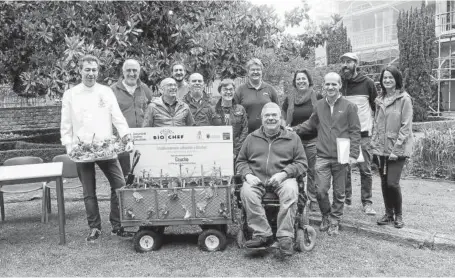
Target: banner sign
184,151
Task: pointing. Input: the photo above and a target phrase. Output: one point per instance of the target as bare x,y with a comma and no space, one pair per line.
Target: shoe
121,232
333,230
94,235
398,222
258,241
385,220
368,209
314,206
286,245
347,202
324,223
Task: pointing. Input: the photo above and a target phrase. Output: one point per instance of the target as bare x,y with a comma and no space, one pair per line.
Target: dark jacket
264,158
158,114
392,132
344,123
133,106
238,120
203,112
362,92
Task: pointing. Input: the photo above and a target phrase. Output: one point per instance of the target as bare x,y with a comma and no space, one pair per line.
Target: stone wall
23,118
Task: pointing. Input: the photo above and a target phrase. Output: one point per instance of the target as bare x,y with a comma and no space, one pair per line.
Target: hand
252,179
277,179
393,157
69,148
129,147
126,138
289,128
352,160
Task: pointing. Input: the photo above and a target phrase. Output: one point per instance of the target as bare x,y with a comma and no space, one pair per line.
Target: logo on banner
167,134
226,136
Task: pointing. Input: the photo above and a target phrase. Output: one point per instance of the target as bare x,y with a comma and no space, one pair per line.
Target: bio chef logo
167,134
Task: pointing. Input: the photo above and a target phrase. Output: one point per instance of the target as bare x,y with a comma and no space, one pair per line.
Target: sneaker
333,230
385,220
398,222
324,223
121,232
314,206
347,204
368,209
258,241
94,235
286,245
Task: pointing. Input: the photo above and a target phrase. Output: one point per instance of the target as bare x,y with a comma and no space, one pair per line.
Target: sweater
343,123
361,91
88,113
253,100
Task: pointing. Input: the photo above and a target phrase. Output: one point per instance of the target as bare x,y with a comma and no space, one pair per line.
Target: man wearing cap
360,90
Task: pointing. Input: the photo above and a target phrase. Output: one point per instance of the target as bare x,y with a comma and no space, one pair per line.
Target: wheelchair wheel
212,240
147,240
305,217
305,239
240,239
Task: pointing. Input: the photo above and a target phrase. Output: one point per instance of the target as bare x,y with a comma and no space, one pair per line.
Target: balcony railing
374,37
445,23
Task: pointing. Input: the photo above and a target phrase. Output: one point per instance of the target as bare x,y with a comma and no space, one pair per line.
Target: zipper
267,162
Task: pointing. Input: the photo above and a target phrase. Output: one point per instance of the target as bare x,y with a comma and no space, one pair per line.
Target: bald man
271,157
168,110
333,117
133,96
199,102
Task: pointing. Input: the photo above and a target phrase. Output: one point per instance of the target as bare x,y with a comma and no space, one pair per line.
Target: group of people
274,145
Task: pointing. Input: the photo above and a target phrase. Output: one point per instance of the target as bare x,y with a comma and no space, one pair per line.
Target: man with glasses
168,110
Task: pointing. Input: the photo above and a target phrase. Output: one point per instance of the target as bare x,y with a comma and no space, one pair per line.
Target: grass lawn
30,248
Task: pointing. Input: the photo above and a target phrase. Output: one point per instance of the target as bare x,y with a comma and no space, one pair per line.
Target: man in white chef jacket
89,110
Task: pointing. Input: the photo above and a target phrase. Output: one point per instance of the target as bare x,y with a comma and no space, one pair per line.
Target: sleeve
148,117
189,118
215,119
238,95
406,124
274,96
309,125
241,164
354,131
118,120
148,93
299,164
284,108
66,124
373,95
244,133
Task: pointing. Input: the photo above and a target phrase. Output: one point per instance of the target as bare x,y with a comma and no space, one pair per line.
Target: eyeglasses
170,85
227,90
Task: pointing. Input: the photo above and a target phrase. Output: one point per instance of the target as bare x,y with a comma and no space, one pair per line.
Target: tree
338,42
416,35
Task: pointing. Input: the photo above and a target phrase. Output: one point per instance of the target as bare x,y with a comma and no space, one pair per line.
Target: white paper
343,151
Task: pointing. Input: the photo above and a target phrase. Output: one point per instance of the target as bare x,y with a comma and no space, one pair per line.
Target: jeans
366,180
87,176
251,196
390,183
326,170
125,162
310,151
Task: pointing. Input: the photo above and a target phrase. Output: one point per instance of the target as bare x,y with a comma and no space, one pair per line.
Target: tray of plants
97,150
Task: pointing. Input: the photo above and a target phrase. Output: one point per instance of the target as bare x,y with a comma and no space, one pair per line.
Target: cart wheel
147,240
241,239
306,239
212,240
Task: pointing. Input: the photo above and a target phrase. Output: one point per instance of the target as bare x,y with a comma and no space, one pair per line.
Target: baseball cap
350,55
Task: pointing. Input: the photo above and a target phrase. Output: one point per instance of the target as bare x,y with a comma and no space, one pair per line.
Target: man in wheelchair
271,157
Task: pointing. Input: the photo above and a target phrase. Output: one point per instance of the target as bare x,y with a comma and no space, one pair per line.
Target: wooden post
161,178
180,175
202,175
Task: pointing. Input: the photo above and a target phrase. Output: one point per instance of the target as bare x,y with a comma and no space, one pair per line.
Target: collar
169,104
251,86
339,95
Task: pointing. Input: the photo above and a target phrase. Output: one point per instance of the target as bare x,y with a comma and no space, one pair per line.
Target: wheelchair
305,235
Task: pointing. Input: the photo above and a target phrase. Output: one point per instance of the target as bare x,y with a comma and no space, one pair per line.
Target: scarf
295,98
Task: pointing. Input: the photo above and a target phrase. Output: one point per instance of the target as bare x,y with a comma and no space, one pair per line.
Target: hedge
47,154
8,145
29,145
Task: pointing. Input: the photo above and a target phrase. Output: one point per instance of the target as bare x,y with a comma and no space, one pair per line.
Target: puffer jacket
203,113
392,132
238,120
263,158
158,115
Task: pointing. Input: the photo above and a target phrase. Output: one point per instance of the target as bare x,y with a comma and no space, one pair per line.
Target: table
42,172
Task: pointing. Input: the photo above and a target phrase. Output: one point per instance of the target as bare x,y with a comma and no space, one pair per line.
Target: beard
347,74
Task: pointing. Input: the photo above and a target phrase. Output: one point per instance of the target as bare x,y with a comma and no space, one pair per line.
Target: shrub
28,145
4,146
434,154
